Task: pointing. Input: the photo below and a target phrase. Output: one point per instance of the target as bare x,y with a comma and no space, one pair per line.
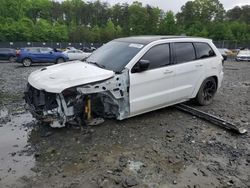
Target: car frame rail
211,118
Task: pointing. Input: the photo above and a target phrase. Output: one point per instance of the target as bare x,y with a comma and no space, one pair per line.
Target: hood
59,77
245,53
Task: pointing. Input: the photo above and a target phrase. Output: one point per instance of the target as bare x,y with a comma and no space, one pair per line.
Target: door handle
199,65
168,72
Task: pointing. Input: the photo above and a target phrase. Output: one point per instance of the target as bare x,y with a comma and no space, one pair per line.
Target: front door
151,89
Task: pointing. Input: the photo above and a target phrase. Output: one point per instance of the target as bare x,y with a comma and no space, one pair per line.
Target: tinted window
35,50
114,55
184,52
158,56
46,50
203,50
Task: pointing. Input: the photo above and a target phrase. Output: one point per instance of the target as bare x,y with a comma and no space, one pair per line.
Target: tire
12,59
206,92
60,60
27,62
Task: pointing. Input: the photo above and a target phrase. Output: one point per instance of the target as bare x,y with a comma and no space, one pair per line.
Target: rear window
203,50
184,52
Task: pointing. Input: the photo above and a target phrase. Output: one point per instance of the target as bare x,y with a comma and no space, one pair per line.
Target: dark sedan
8,54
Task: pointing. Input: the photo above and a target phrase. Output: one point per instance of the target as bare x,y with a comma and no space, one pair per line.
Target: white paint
62,76
76,54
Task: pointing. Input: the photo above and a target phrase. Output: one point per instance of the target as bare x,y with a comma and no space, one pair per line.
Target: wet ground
165,148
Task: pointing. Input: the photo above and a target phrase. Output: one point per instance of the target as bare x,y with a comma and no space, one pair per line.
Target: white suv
126,77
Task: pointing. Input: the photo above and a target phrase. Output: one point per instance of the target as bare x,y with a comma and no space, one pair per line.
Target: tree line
78,20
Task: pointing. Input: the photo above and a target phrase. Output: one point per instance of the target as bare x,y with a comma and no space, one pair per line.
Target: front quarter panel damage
80,104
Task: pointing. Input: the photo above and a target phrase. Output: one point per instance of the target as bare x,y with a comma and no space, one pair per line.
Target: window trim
170,57
194,43
195,49
175,56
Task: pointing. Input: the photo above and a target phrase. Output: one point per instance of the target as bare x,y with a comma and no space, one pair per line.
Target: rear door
47,55
33,53
71,54
151,89
188,71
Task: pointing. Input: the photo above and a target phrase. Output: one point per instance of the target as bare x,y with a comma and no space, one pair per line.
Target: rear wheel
12,59
27,62
207,91
60,60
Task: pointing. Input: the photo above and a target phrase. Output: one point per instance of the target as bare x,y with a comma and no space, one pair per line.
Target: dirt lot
165,148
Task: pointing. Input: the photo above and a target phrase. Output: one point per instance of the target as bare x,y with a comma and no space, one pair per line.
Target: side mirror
141,66
51,52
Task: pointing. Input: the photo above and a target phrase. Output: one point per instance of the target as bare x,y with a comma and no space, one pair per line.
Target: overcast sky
175,5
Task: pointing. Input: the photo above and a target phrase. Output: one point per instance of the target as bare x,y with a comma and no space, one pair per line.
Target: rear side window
33,50
158,56
184,52
203,50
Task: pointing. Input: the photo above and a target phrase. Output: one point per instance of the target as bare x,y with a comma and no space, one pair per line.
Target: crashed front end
81,105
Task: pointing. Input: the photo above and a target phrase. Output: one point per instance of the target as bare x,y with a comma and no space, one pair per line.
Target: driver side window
158,56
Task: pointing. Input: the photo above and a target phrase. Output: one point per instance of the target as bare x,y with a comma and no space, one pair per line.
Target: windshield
114,55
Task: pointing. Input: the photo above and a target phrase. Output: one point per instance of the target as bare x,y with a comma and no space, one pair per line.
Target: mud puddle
14,161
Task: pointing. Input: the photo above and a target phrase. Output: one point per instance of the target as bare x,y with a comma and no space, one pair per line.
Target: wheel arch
199,85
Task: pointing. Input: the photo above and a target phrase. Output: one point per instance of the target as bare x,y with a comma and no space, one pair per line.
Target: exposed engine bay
83,104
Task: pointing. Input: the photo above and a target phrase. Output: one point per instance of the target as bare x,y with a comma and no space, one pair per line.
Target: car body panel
6,53
243,55
76,54
186,79
38,56
125,93
158,90
59,77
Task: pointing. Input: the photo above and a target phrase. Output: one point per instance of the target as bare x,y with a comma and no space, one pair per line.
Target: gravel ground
164,148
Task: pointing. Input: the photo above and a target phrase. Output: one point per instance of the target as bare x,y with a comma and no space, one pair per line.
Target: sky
175,5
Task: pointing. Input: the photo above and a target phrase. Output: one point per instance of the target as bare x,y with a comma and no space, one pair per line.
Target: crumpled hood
59,77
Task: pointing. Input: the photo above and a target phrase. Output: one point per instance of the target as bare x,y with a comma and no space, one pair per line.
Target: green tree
168,25
203,11
241,14
108,32
137,19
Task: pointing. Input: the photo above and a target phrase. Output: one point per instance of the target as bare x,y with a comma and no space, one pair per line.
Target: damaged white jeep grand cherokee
124,78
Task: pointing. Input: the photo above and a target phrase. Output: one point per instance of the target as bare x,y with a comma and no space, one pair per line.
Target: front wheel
206,92
27,62
60,60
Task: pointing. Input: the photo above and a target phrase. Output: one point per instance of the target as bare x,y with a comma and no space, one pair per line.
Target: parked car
243,55
224,52
126,77
28,56
8,54
76,54
88,50
70,48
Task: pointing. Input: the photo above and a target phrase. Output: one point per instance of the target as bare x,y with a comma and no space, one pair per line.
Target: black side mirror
141,66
